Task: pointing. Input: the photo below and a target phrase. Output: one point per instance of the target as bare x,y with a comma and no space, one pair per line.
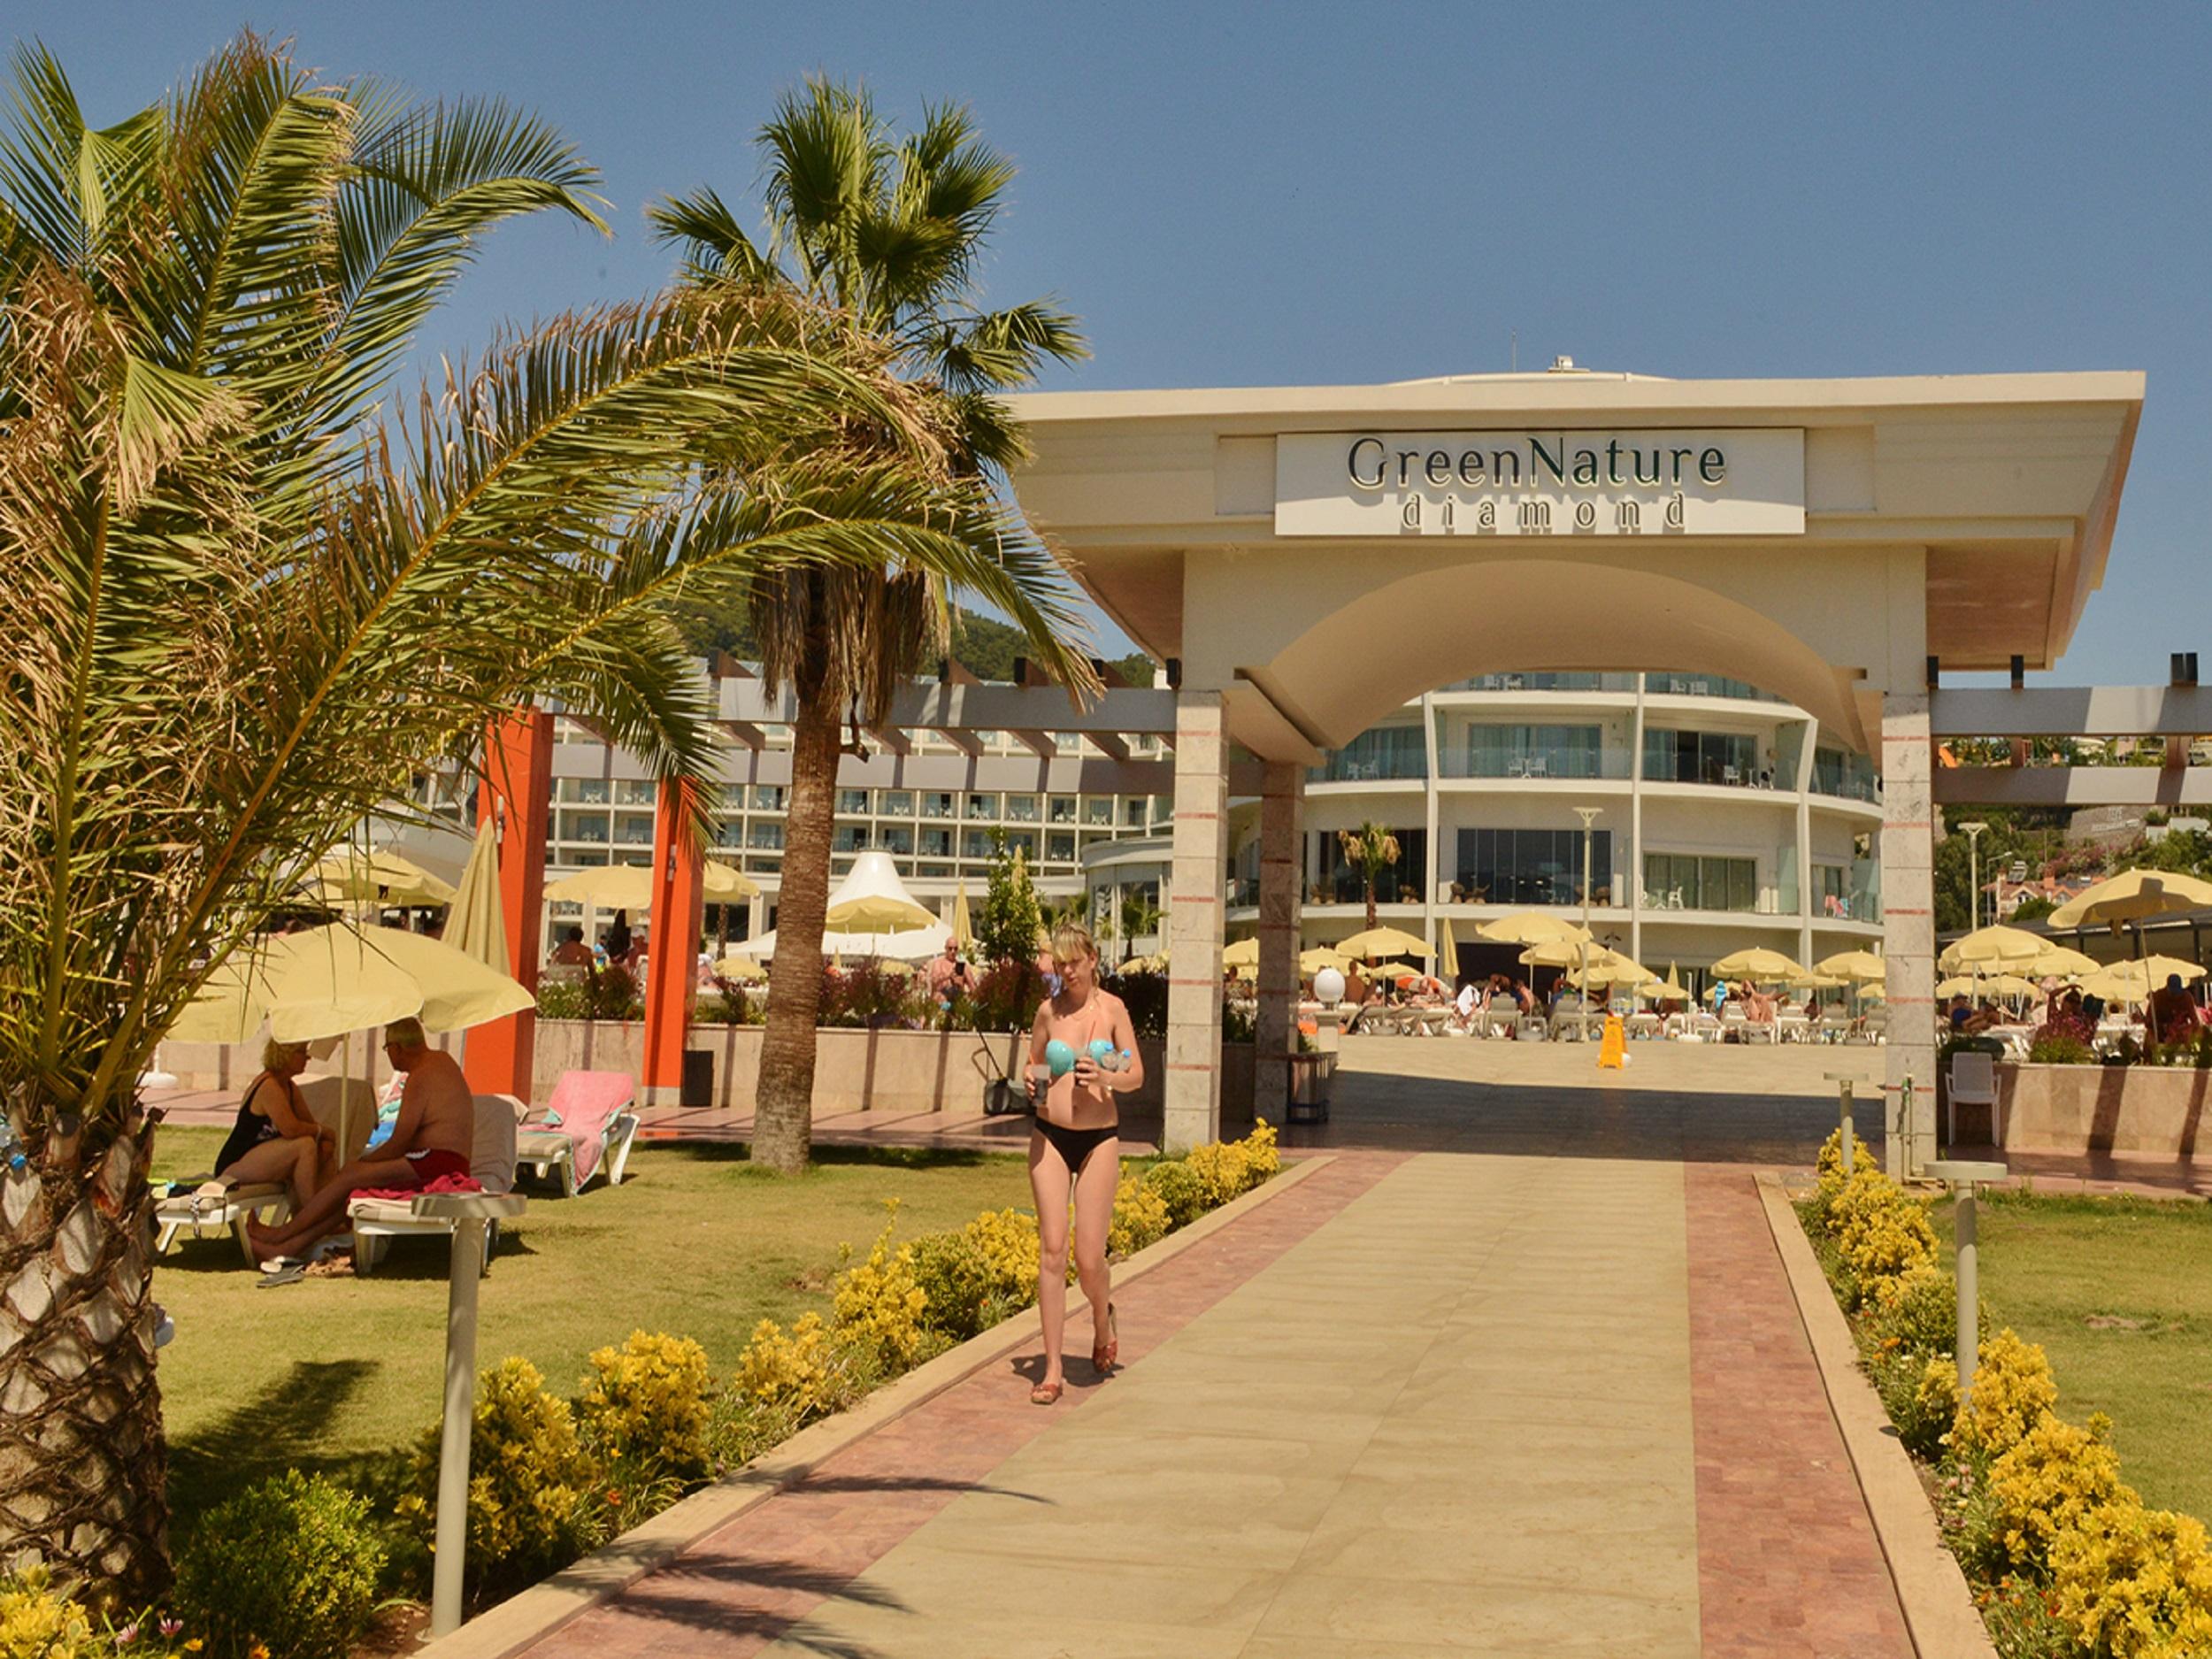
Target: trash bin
697,1088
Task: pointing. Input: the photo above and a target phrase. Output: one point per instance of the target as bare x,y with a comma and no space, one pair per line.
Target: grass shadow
737,1155
281,1427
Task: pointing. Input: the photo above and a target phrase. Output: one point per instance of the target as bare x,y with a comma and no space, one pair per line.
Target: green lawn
2119,1292
328,1372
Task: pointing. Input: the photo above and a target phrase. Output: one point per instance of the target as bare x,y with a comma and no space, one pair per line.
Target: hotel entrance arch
1306,558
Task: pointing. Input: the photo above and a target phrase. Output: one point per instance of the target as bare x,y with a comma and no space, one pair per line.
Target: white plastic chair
1973,1083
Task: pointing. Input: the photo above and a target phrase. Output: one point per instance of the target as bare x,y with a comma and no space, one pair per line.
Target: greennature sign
1738,481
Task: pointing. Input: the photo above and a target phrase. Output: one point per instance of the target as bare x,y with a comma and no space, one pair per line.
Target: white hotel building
1724,819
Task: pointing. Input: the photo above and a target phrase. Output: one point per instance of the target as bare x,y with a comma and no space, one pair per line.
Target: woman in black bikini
1076,1141
276,1137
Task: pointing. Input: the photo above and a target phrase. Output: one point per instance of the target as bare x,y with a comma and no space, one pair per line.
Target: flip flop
290,1273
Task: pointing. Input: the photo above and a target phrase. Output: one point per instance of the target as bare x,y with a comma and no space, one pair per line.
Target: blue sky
1250,195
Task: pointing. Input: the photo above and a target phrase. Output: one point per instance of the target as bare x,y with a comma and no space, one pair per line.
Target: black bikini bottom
1075,1146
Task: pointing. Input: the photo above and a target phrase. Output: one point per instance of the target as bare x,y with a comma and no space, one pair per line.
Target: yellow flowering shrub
2012,1391
37,1622
2049,1482
1139,1217
2134,1583
878,1305
529,1480
1914,1312
1225,1169
649,1400
1007,1241
788,1369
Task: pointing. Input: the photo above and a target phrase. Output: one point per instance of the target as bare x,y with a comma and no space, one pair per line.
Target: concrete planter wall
890,1071
2151,1111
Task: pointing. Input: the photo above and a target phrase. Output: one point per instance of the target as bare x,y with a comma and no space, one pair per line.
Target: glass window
849,838
764,833
1135,810
1685,881
731,834
634,829
633,792
591,791
1388,751
853,802
1347,884
1725,757
936,843
1060,808
982,806
976,844
768,797
937,804
1021,808
1516,867
1060,847
898,804
1022,841
1535,751
896,838
1098,809
587,826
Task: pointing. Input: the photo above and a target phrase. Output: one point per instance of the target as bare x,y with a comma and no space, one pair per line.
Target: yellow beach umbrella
476,926
743,969
1447,949
1531,927
1819,982
1674,987
1564,953
962,929
2134,981
1758,963
1245,953
1377,944
630,887
1995,946
1311,961
382,877
2063,961
2131,896
1861,966
1613,969
1989,985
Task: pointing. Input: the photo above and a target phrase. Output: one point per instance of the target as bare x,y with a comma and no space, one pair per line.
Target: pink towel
583,1101
443,1183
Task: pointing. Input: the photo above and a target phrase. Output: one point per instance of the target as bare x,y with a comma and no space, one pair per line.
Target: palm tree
242,607
1140,919
890,232
1371,849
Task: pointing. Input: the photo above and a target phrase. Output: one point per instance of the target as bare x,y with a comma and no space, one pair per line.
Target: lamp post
1586,813
1973,874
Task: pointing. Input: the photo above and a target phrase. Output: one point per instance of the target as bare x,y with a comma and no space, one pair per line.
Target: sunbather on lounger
276,1137
436,1132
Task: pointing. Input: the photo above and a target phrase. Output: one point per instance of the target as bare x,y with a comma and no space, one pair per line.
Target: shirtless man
434,1137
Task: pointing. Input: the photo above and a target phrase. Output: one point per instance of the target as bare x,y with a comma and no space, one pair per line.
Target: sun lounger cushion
581,1104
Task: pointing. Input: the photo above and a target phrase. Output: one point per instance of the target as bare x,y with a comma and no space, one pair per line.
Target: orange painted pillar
517,786
671,954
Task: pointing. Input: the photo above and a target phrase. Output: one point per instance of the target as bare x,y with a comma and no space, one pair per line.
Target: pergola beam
2073,786
2071,712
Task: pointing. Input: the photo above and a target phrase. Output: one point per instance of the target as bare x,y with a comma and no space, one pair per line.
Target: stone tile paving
1788,1564
739,1588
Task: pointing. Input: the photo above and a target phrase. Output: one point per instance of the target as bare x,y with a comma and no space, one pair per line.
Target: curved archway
1373,653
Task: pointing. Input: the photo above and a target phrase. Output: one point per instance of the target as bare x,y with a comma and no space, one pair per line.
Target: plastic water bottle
1106,1057
11,1150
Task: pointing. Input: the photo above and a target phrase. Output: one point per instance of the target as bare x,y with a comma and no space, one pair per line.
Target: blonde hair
406,1032
274,1053
1071,939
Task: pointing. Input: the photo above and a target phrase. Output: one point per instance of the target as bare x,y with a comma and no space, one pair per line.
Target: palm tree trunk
1371,901
783,1114
83,1463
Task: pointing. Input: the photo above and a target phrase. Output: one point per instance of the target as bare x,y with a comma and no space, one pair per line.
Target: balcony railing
1680,769
1545,682
1853,784
1535,764
1346,766
1665,683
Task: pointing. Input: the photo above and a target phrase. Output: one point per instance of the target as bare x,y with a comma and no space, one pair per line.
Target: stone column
1908,927
1196,867
515,798
1282,797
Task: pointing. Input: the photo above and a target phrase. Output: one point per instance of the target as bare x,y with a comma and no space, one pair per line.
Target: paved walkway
1424,1405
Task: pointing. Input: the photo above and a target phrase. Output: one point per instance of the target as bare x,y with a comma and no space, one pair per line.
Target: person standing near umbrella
434,1139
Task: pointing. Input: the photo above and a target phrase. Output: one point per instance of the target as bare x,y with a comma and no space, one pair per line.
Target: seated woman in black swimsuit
1077,1140
276,1137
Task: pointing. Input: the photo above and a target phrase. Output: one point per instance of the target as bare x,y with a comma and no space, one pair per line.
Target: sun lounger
206,1215
492,1162
585,1129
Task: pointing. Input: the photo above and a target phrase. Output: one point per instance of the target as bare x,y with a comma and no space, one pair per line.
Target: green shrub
291,1565
1181,1188
1921,1394
645,1406
963,1296
562,999
2059,1050
1917,1312
530,1481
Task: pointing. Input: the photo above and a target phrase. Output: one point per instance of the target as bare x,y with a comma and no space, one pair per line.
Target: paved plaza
1425,1401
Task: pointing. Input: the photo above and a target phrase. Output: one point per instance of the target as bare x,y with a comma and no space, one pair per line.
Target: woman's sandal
1046,1394
1105,1354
